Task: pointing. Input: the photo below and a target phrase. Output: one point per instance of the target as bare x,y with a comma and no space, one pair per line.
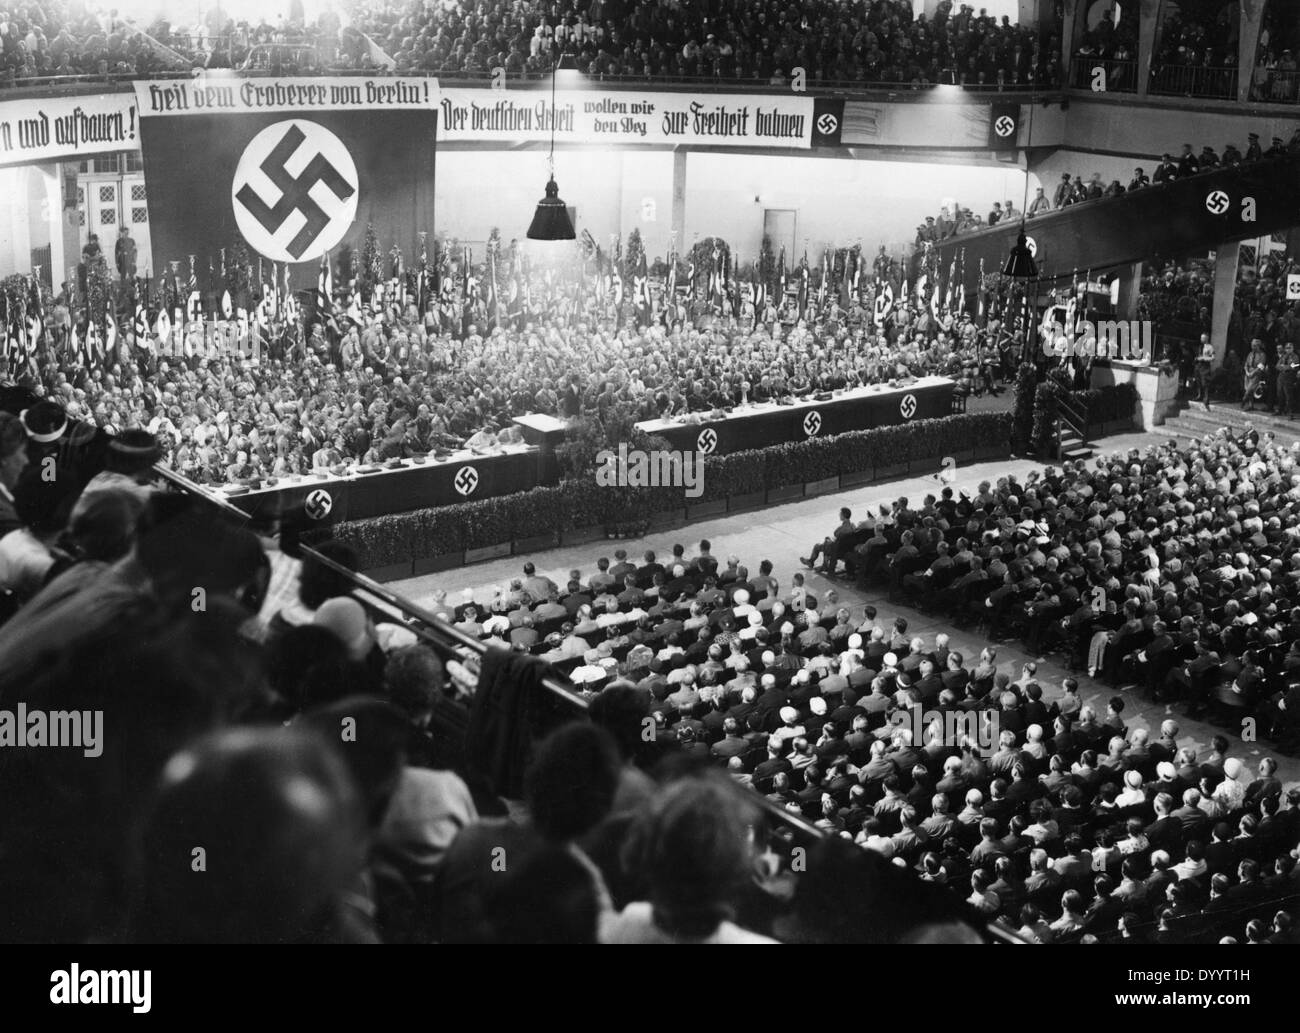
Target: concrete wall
839,203
477,190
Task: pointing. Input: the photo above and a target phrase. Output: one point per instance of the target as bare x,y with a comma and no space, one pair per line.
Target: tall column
1225,287
1148,21
679,198
1130,285
1252,24
1069,32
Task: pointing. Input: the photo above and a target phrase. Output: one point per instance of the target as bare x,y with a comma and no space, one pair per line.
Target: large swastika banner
294,168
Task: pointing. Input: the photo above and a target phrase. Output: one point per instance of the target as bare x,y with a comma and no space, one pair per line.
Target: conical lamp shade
1020,263
551,221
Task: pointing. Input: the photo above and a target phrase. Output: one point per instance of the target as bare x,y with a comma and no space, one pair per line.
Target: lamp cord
550,161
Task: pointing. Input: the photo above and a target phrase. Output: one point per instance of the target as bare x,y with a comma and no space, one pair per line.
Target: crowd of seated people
1038,812
1175,571
1071,189
724,39
1111,46
322,756
50,38
1034,810
392,388
1192,59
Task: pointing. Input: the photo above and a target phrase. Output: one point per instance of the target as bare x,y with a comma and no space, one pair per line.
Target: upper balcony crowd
834,43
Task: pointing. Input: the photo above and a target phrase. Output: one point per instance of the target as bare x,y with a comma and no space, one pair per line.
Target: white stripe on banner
235,96
52,128
625,117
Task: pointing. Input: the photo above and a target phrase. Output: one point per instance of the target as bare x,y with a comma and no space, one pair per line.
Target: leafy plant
1022,422
577,501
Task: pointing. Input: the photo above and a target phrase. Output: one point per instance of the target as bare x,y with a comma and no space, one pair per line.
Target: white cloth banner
625,117
233,96
52,128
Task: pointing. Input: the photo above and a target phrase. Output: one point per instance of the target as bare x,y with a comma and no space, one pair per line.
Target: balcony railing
1194,81
454,77
1276,87
1103,75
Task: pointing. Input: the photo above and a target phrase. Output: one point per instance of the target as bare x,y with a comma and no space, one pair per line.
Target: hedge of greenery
578,502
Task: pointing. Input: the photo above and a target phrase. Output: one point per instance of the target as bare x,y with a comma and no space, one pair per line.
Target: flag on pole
94,344
376,54
141,326
324,289
780,297
193,301
422,278
110,333
803,285
961,285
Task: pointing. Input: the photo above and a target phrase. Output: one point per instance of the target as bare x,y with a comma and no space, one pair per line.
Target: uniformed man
1204,363
1288,363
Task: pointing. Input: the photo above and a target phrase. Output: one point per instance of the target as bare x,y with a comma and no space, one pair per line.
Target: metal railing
463,77
1276,87
1102,74
1194,81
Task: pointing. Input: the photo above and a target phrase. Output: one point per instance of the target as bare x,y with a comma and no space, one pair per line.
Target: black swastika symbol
466,480
294,192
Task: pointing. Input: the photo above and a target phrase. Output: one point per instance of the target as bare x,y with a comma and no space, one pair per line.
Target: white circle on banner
295,191
1216,202
466,480
318,504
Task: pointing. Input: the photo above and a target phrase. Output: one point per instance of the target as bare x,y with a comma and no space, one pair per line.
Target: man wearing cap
1063,191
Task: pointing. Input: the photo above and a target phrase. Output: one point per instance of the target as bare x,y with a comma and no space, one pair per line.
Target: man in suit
1195,821
1166,832
1166,171
621,568
539,587
706,563
645,574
